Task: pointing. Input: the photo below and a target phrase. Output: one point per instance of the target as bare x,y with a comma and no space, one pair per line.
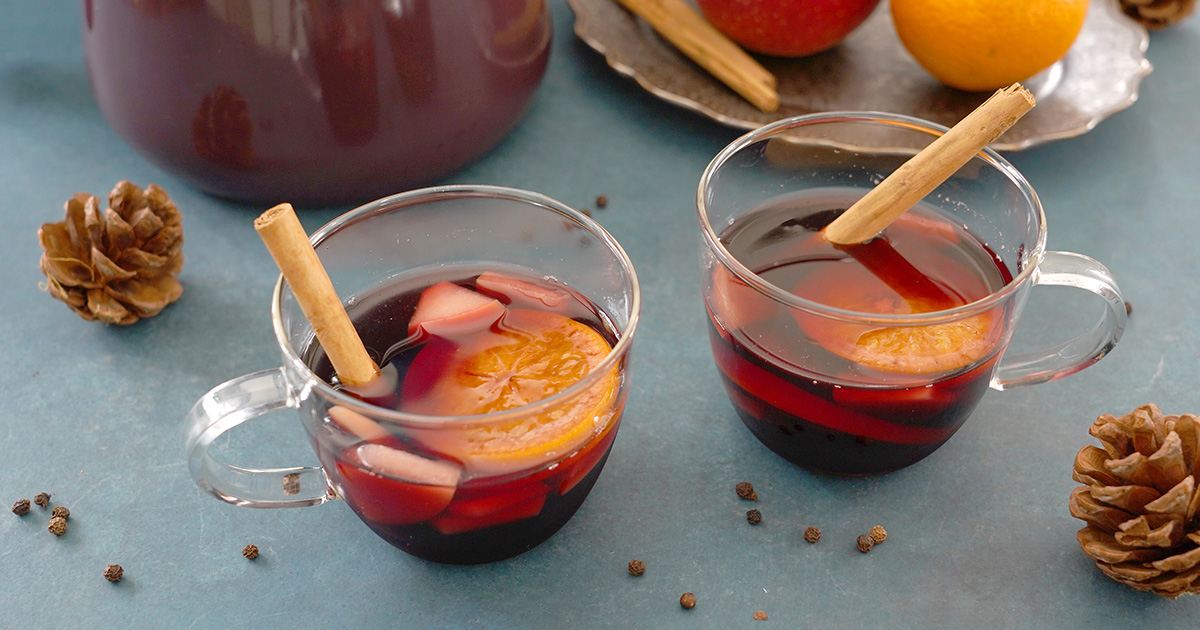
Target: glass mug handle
226,406
1081,272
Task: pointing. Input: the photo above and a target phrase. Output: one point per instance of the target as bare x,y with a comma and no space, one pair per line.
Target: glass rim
413,197
791,300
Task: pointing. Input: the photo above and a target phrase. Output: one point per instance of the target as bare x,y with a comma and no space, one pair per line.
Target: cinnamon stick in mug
288,243
930,167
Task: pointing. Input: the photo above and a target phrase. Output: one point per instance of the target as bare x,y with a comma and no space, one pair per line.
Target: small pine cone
1157,14
117,265
1140,500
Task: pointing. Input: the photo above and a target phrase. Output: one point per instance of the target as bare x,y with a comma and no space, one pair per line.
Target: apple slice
927,227
450,523
414,489
924,401
519,293
450,311
359,425
489,500
577,466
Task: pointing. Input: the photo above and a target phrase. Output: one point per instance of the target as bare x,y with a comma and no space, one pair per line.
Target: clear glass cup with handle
866,359
459,488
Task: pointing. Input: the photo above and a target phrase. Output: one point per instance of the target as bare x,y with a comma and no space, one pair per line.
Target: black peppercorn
21,507
42,499
687,600
754,517
864,543
746,491
878,534
250,551
601,201
113,572
812,534
58,526
291,484
60,512
637,567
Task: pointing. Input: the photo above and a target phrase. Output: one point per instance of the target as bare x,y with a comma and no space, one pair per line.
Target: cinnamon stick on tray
688,31
930,167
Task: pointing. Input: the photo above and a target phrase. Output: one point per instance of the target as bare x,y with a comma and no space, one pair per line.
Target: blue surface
979,532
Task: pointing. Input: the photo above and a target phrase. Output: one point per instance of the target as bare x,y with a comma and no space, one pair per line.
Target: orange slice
527,356
928,349
923,349
735,304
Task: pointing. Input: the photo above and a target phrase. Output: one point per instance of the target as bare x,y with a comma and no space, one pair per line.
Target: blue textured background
980,533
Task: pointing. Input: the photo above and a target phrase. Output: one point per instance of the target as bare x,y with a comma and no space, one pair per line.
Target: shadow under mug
822,408
414,479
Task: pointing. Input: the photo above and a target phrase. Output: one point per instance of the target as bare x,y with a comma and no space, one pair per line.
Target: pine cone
1157,14
119,265
1141,500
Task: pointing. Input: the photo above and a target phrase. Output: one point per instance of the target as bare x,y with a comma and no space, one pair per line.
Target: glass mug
866,359
459,489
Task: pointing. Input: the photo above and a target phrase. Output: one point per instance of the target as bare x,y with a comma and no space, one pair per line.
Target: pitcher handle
225,407
1068,269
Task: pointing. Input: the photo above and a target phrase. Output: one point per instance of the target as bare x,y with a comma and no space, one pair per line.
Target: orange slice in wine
527,356
926,349
735,304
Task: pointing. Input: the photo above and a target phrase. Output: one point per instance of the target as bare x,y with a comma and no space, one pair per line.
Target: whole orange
987,44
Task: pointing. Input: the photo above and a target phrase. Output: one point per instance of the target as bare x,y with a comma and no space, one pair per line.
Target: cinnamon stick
288,243
688,31
930,167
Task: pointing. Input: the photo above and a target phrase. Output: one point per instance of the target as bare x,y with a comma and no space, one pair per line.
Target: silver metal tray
871,71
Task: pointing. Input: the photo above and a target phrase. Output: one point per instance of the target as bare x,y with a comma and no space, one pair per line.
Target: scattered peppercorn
745,490
688,601
601,201
42,499
760,616
754,517
60,512
113,572
812,534
878,534
58,526
21,507
865,543
250,551
637,567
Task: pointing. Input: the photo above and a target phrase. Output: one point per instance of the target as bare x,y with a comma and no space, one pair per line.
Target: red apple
787,28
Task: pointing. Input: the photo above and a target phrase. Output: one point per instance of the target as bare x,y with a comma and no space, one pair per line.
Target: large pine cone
1157,14
1141,501
119,265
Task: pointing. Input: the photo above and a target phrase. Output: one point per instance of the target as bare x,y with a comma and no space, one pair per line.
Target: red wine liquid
795,379
314,101
491,517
